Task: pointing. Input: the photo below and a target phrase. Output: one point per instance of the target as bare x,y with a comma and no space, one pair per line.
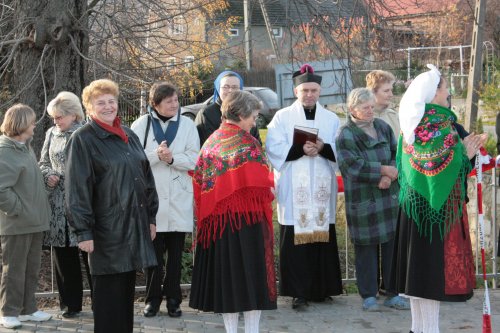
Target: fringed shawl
433,170
232,184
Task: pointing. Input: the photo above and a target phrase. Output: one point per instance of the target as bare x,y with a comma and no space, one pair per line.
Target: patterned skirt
441,269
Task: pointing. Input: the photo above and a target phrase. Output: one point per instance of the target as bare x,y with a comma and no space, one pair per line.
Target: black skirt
236,272
418,267
310,270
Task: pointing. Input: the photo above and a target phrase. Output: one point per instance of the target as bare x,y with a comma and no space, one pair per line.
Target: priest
306,190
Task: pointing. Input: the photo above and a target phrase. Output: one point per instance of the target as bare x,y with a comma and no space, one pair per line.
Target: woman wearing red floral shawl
433,254
234,263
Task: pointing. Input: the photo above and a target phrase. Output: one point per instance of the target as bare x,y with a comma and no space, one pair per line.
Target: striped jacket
371,213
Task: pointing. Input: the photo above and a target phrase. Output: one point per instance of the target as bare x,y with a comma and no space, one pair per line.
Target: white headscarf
412,106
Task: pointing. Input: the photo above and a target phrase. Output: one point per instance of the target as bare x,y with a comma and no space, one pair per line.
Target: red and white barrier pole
486,300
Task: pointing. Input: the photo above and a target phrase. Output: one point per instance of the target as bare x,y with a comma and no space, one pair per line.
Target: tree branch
16,41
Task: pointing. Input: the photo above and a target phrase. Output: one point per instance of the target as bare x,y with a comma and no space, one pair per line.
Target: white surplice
306,188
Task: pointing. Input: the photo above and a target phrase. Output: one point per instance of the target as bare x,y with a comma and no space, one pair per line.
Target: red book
301,134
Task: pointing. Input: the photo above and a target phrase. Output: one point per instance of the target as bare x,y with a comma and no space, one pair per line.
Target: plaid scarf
433,171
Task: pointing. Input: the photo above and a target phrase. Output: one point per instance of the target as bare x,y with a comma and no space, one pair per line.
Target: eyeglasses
226,87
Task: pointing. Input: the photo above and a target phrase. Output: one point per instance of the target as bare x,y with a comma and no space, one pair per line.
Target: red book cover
301,134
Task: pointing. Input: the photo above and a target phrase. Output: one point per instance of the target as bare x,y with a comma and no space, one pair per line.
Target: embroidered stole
311,188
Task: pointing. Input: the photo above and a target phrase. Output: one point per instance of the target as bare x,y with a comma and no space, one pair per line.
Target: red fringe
248,205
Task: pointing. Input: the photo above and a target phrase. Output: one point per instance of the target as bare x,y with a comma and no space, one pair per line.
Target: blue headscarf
219,78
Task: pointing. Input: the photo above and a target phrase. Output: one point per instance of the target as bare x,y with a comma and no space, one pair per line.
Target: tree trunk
49,64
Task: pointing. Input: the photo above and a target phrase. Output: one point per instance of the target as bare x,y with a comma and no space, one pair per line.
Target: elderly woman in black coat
112,203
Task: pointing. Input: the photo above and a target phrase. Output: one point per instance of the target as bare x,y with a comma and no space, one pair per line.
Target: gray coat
52,162
24,208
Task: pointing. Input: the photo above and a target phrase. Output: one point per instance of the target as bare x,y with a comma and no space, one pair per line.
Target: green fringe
419,210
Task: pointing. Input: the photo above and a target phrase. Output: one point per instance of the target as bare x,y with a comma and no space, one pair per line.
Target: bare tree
369,33
51,45
36,61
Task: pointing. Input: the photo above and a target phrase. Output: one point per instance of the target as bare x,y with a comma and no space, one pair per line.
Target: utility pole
475,66
248,47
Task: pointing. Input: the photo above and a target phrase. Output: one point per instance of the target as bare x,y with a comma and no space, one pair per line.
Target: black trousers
68,272
171,244
113,302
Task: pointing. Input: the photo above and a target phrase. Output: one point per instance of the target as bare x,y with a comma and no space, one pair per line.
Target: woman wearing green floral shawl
433,254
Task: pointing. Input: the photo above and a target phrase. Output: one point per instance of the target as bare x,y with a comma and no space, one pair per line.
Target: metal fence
346,253
132,105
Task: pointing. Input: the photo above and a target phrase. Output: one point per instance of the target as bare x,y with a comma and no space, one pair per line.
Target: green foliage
358,78
479,126
490,92
263,135
239,65
490,95
187,260
491,145
350,288
399,88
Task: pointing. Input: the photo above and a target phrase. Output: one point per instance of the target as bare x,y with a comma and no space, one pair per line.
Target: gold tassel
308,238
321,237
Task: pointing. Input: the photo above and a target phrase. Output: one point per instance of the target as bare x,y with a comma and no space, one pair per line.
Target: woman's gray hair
239,104
66,103
359,96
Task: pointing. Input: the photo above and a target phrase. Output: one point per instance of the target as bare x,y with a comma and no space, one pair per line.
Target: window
277,32
177,25
234,32
171,63
188,61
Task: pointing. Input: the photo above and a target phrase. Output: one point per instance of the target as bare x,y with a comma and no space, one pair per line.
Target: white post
461,68
408,75
248,48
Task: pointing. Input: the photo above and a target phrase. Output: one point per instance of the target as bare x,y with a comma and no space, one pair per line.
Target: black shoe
150,310
322,299
70,314
299,302
173,308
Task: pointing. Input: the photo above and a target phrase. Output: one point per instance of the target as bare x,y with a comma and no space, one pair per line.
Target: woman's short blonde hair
238,104
66,103
18,118
97,88
359,96
376,78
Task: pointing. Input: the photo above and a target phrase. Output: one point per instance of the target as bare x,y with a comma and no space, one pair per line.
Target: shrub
491,145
